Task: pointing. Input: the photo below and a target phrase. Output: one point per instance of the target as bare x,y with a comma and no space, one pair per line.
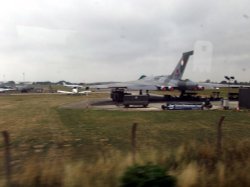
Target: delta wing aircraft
75,89
167,82
162,82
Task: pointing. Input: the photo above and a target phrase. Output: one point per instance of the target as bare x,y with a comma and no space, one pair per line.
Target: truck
118,94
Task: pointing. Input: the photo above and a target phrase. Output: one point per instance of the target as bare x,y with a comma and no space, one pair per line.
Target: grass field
90,143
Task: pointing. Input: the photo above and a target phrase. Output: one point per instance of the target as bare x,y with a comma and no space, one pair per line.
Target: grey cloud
115,39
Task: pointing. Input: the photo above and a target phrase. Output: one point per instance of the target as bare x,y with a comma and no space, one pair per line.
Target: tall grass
193,164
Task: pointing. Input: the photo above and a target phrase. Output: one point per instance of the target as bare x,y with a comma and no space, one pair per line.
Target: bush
147,176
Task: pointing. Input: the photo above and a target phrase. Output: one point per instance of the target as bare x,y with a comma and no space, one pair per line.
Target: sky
120,40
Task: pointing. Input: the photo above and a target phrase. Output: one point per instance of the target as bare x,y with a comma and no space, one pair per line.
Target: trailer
183,106
135,100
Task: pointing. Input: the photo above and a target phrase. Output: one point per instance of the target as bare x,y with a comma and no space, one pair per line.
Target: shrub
147,176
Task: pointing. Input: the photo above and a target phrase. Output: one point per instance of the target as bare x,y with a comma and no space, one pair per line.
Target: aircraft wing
218,85
3,90
85,92
130,85
72,85
6,89
136,85
64,92
146,83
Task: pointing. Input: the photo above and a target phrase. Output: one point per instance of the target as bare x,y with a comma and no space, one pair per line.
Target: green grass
88,147
39,119
166,129
33,118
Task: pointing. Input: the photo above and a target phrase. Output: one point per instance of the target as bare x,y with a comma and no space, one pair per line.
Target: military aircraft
75,90
24,88
163,82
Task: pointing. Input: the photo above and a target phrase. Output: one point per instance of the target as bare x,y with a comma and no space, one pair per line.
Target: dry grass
192,167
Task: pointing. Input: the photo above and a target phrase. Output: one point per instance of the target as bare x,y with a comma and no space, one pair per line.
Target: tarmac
108,104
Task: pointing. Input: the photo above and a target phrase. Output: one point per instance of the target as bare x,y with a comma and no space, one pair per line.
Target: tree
223,82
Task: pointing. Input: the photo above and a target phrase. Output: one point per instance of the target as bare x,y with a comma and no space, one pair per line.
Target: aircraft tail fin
180,68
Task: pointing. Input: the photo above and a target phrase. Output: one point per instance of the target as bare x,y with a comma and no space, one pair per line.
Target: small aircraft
75,90
6,89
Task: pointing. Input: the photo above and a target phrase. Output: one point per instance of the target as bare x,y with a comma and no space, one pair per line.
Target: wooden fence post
219,137
133,142
7,156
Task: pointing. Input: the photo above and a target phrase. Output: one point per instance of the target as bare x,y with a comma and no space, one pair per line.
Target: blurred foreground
192,164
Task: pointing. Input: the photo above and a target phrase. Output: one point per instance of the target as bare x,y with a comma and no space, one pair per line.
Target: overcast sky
119,40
